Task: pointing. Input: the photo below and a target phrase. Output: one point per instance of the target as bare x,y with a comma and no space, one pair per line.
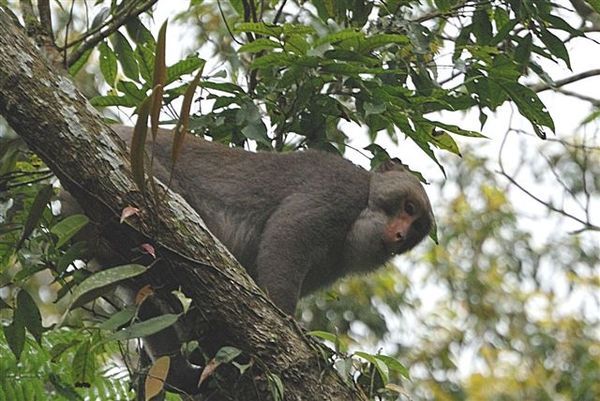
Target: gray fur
296,221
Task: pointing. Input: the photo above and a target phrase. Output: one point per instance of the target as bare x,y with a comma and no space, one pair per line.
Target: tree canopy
501,304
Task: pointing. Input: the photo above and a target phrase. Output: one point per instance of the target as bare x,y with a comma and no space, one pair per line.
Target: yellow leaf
155,381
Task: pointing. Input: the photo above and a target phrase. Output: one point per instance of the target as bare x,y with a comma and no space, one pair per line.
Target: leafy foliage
487,301
391,68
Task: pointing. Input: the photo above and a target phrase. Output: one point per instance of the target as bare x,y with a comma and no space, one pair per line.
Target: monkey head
398,216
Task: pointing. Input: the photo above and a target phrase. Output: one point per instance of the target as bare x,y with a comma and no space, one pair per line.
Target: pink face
402,228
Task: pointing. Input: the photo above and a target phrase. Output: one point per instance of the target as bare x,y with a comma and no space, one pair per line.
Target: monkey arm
291,244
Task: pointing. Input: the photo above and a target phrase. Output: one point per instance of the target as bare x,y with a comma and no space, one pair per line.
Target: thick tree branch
56,121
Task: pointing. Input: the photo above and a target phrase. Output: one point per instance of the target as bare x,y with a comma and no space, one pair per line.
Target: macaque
297,221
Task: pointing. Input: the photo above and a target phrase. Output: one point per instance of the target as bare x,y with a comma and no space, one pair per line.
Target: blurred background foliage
505,307
496,311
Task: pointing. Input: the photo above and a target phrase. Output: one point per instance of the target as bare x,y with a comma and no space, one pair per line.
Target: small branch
111,27
450,12
279,12
40,30
595,102
227,24
67,26
569,80
587,225
46,19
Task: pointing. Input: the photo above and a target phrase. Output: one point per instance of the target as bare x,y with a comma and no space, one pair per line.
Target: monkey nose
399,236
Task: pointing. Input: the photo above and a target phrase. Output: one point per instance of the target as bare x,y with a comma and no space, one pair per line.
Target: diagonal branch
98,35
57,122
566,81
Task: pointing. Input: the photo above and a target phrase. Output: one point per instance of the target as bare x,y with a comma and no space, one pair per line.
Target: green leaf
223,87
325,335
523,51
351,69
131,90
126,56
94,285
419,136
273,60
371,108
443,140
259,45
67,227
139,33
108,64
296,44
559,23
238,6
394,365
298,29
58,349
595,4
339,36
227,354
83,368
119,319
555,45
15,335
595,115
276,386
4,305
64,388
260,28
183,67
461,42
482,27
457,130
35,213
382,39
145,58
30,315
351,55
75,251
257,132
503,33
145,328
528,103
382,368
81,61
224,101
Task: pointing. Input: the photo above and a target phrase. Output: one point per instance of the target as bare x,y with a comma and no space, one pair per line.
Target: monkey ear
396,164
391,164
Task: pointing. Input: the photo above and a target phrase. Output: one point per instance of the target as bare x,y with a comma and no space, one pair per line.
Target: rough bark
57,123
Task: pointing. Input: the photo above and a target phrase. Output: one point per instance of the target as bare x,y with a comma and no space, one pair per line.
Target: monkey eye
410,208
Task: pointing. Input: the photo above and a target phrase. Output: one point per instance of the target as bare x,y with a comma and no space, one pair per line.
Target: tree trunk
58,124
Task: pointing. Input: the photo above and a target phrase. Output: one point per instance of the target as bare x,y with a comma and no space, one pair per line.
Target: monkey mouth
392,249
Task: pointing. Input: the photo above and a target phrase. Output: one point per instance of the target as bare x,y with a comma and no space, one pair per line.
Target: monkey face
403,201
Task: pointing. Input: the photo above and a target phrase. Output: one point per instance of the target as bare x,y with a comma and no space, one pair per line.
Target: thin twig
114,24
227,24
279,12
587,225
562,82
594,101
65,63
